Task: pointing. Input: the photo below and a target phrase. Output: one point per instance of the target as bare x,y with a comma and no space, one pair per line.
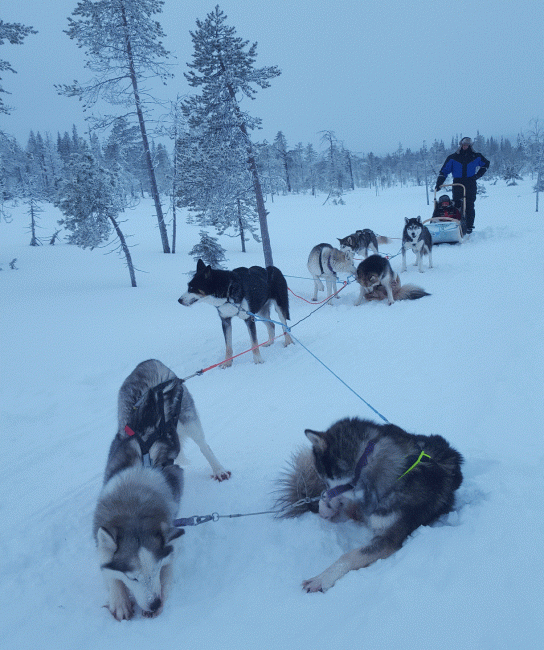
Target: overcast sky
377,73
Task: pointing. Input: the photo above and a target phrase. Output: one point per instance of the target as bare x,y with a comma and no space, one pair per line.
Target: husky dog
237,292
379,475
142,488
325,262
378,281
362,240
417,237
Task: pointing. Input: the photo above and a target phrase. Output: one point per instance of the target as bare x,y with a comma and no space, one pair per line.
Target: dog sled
448,223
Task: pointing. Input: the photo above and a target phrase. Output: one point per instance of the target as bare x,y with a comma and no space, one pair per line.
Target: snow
465,362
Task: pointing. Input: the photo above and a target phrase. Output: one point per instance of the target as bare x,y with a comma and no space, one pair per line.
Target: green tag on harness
421,455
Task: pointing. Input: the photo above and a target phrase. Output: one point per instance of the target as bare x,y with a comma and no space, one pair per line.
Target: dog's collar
362,462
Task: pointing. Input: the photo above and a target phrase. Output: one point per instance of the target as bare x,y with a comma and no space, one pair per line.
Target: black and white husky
380,475
325,262
378,281
416,237
133,520
361,241
238,292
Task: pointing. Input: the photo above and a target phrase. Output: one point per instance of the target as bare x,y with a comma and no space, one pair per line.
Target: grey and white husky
380,475
325,261
361,241
142,488
416,237
378,281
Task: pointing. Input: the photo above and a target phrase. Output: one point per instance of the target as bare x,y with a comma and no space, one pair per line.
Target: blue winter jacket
464,165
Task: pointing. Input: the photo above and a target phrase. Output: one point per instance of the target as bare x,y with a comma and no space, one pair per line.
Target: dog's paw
316,584
121,610
222,475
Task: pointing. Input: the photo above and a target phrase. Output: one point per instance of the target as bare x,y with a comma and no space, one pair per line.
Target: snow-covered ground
466,362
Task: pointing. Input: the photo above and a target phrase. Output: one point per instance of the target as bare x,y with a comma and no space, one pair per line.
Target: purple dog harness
340,489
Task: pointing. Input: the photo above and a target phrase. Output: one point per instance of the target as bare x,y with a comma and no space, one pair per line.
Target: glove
439,182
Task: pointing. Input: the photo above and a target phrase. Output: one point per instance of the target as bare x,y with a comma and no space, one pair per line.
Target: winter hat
466,141
444,198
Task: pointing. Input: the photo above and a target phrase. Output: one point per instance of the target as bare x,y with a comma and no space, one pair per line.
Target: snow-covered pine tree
34,210
280,149
15,34
533,146
91,199
209,250
123,44
223,67
123,152
214,182
310,160
334,166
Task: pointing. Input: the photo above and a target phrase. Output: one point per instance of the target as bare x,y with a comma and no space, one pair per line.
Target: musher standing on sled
466,166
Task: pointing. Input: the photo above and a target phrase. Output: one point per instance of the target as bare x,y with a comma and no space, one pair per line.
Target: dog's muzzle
187,300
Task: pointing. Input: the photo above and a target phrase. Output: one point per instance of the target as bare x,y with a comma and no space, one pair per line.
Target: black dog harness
149,423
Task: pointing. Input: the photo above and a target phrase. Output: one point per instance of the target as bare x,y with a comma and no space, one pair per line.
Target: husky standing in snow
378,281
325,261
416,237
363,240
380,475
133,520
237,292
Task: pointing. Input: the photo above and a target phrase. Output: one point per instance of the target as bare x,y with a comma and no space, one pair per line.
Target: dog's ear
419,219
317,438
106,541
200,266
406,220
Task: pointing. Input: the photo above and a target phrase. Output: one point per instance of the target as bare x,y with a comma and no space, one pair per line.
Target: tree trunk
261,210
145,142
241,226
174,187
125,249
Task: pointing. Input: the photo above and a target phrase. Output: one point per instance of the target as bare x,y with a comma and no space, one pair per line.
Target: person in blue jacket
466,166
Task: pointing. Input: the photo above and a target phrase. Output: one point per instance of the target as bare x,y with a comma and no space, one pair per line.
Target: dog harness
362,462
148,423
340,489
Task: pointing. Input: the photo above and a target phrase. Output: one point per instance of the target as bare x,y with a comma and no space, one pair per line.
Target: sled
446,230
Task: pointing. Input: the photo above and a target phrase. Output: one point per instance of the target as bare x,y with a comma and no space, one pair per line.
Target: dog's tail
278,289
409,292
300,481
383,240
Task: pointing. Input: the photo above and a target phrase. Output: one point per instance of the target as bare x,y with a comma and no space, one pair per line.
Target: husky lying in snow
379,282
142,488
325,262
236,292
379,475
